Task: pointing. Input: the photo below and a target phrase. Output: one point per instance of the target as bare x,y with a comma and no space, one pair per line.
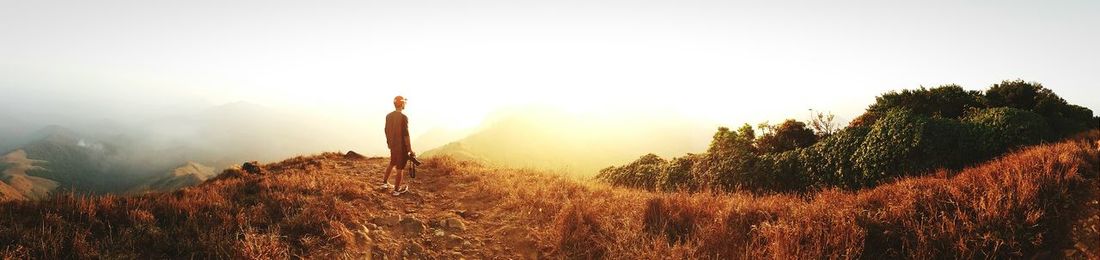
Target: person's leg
397,179
386,177
395,159
399,159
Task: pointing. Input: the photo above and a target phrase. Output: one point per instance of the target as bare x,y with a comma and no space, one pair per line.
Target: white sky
719,62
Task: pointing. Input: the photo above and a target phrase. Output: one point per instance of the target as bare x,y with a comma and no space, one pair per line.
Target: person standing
397,137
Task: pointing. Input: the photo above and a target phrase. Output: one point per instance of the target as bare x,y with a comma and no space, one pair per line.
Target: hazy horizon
339,63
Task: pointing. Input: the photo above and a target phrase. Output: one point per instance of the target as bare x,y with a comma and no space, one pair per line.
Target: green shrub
780,172
904,133
1069,120
950,144
783,137
1065,119
641,173
1020,94
829,162
892,145
676,175
1010,128
948,101
728,162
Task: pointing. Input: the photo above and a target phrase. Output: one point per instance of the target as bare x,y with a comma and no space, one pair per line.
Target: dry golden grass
1040,201
289,213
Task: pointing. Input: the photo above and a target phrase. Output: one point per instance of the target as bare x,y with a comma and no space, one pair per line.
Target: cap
399,99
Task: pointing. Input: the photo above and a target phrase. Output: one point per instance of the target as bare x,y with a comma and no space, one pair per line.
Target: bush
900,143
1065,119
783,137
904,133
1020,94
1069,120
948,101
829,162
892,145
729,159
641,173
950,144
676,174
1010,127
867,119
781,172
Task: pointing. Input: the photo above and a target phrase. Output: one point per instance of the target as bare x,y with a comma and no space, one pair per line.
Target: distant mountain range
574,144
161,153
61,161
189,174
16,184
177,151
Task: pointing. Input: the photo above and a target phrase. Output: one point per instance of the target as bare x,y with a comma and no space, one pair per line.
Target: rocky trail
445,214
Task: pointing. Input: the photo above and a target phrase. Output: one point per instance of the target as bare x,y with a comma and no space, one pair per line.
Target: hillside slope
188,174
1040,201
15,184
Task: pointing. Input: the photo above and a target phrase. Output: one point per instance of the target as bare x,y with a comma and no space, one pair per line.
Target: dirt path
444,215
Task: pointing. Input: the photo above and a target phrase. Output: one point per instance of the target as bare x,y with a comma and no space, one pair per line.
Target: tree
828,163
891,147
641,173
1010,127
676,175
824,124
1019,94
783,137
904,133
729,158
1065,119
947,101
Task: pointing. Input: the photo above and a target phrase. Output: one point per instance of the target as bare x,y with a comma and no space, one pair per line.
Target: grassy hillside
1039,201
188,174
15,184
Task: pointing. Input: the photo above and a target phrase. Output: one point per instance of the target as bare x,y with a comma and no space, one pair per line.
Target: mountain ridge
572,144
328,206
186,175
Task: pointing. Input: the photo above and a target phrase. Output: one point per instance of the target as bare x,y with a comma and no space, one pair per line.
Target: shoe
403,189
386,185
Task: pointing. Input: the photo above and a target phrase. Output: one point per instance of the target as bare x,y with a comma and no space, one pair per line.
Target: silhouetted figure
397,137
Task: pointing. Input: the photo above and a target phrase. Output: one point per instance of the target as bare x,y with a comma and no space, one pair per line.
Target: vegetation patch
906,133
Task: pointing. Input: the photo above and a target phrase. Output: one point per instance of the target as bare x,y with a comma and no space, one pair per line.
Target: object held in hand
415,162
